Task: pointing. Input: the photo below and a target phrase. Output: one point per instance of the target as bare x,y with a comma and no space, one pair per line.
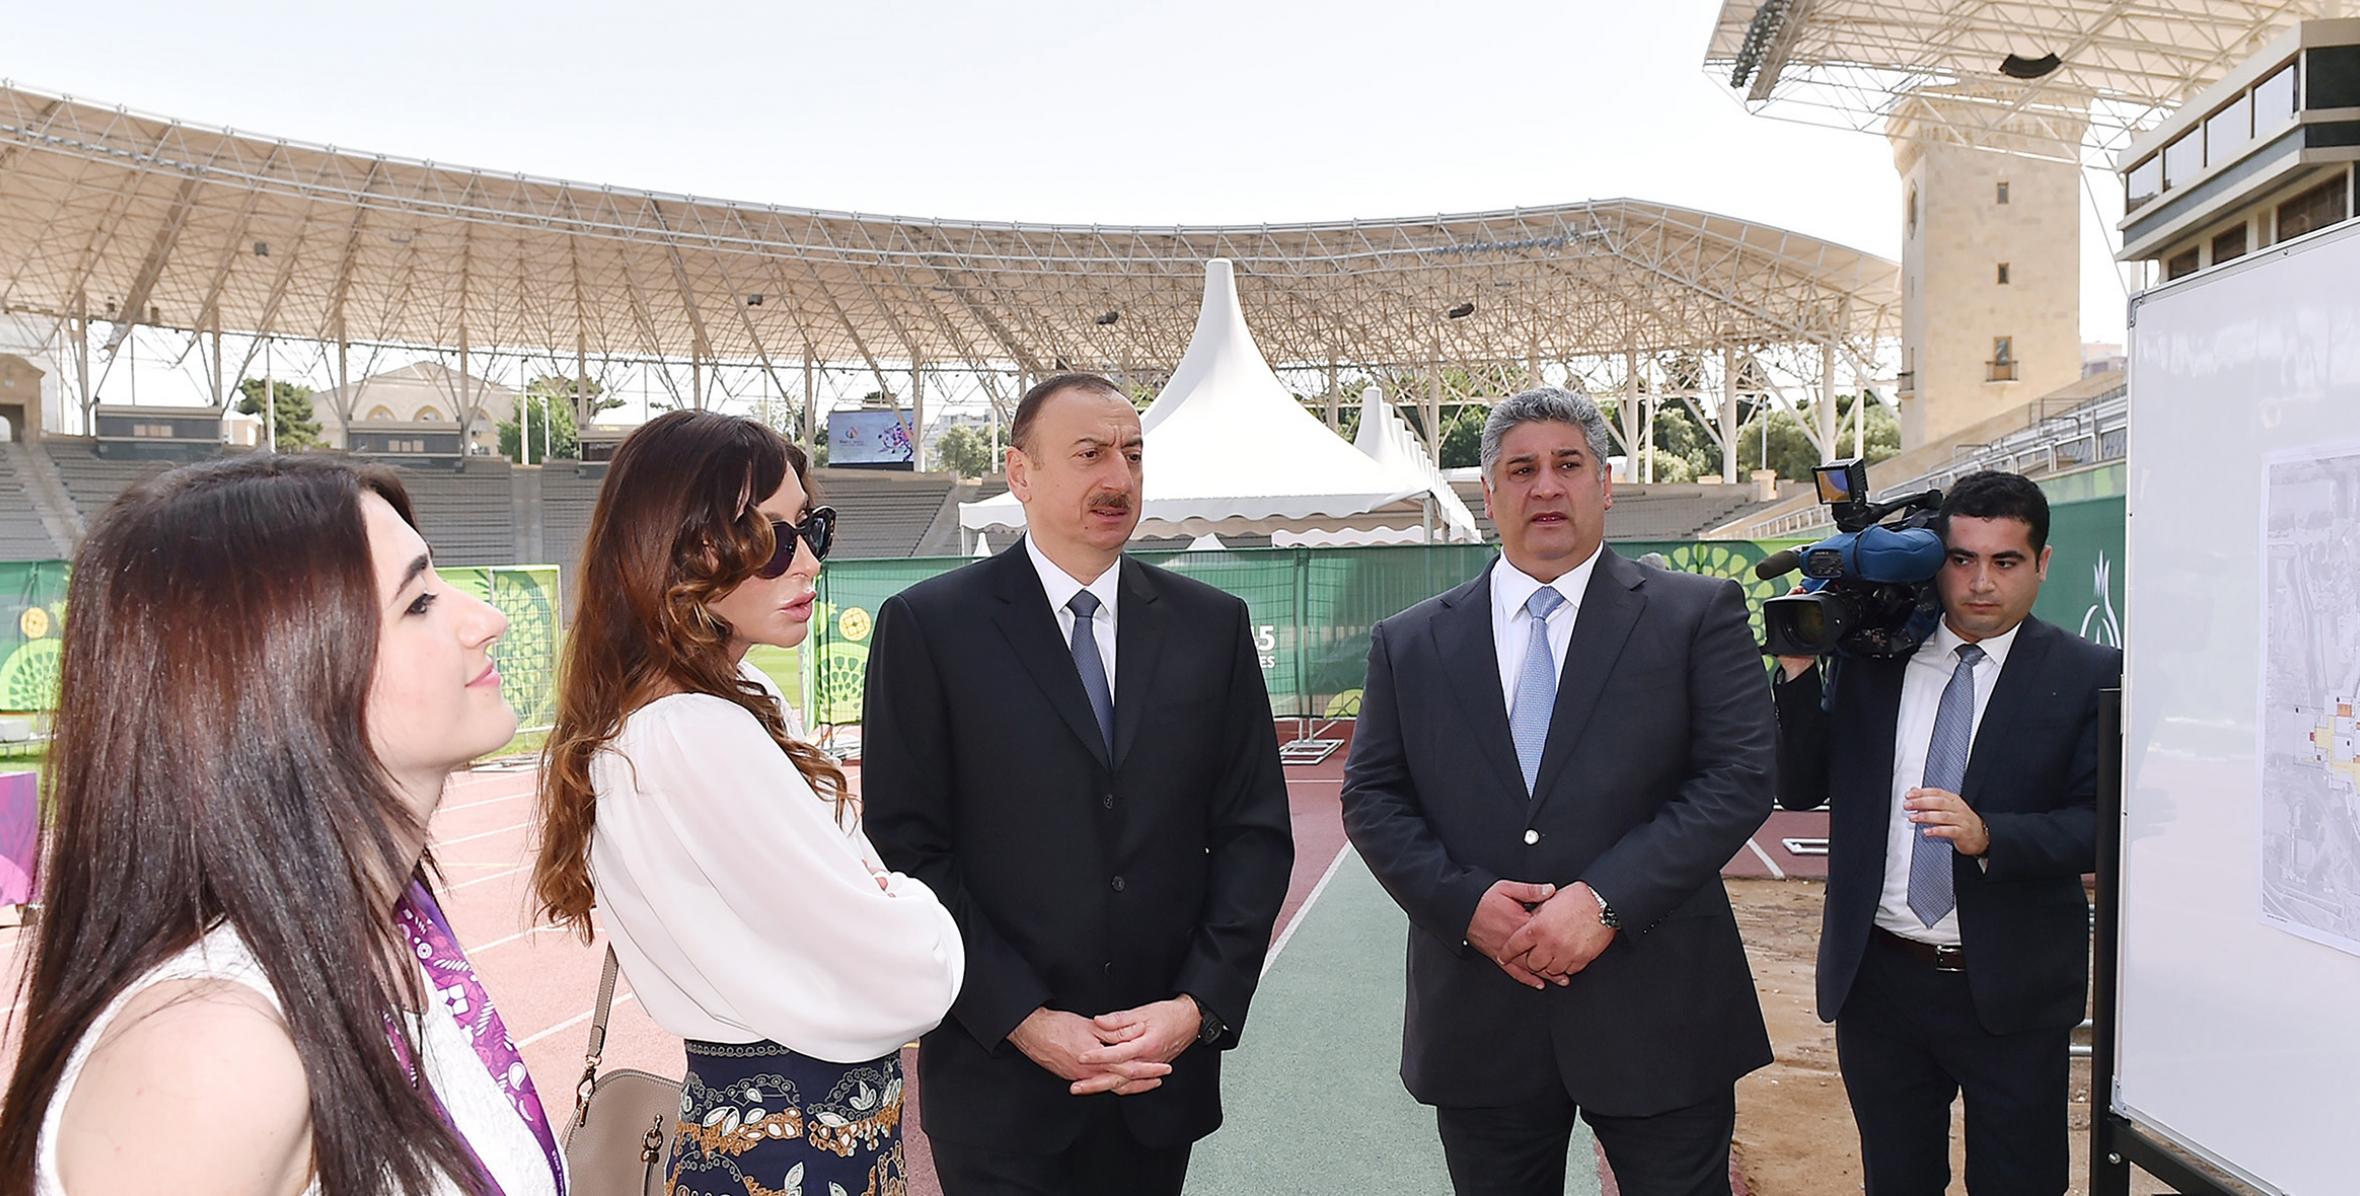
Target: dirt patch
1795,1135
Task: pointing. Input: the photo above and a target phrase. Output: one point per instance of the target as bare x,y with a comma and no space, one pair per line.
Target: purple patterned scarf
455,985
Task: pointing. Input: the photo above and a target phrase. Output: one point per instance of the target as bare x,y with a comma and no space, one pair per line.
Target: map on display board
2310,751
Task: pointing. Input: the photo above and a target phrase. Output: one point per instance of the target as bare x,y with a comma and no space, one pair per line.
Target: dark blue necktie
1931,892
1090,665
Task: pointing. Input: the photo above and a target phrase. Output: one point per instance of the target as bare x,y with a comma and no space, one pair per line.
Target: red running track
545,981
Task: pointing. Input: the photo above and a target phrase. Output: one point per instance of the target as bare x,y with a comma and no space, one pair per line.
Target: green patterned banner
33,605
33,602
2083,593
527,655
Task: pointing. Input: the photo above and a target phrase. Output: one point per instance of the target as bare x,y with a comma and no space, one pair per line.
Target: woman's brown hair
212,764
676,527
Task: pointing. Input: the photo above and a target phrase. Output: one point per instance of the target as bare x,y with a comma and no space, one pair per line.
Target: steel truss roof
2122,65
108,214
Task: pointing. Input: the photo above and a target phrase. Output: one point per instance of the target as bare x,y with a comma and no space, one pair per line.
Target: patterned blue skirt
757,1119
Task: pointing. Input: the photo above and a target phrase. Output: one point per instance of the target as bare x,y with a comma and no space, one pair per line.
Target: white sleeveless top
477,1106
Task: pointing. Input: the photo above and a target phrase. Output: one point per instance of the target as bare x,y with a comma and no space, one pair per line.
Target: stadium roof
2120,65
120,214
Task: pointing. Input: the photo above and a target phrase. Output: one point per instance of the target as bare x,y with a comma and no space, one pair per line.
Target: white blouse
477,1106
741,910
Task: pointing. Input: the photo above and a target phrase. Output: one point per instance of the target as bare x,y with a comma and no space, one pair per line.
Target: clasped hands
1126,1052
1539,934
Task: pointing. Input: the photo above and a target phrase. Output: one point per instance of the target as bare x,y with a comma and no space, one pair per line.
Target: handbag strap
597,1046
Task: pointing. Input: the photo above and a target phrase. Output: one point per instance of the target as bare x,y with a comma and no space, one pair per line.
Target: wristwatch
1209,1027
1606,915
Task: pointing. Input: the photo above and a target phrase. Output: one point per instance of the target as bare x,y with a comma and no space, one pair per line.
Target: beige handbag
619,1142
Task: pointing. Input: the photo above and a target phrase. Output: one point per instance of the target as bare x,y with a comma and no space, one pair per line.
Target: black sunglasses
818,529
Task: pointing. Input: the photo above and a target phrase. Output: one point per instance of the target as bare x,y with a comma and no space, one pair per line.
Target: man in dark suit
1961,783
1552,763
1075,752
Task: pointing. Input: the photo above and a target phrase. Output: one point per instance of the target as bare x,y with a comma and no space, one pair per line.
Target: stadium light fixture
1108,319
754,300
1461,312
262,249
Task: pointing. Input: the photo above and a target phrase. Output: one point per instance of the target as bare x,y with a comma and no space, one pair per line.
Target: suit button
1110,967
1118,884
1107,801
1531,837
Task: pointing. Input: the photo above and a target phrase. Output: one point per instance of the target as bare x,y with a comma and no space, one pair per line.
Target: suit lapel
1139,638
2017,688
1024,617
1884,679
1610,608
1463,642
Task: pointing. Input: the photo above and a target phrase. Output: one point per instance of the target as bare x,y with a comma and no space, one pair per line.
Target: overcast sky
1055,110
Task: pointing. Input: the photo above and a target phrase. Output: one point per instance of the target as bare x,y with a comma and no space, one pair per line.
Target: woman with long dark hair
742,897
241,981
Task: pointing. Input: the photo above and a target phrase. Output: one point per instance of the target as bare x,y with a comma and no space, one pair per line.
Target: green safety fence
33,602
1312,607
1311,610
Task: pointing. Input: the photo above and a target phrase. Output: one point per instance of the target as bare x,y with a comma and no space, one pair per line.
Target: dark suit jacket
1077,883
2032,775
1656,769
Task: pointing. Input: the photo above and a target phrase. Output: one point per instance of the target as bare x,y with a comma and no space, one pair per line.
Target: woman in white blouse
747,907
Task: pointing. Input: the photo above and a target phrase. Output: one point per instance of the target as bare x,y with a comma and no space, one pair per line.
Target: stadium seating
569,493
93,481
23,537
883,514
468,515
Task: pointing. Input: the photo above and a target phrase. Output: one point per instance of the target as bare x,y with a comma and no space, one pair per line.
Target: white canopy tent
1229,450
1386,438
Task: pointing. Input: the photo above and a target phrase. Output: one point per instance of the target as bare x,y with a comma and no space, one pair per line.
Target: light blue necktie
1091,666
1536,687
1930,883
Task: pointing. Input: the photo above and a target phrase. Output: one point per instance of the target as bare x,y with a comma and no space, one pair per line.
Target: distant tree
297,426
1678,435
1462,438
1789,449
1672,470
584,395
551,421
963,451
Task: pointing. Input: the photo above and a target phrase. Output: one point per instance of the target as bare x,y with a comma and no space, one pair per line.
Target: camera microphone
1778,564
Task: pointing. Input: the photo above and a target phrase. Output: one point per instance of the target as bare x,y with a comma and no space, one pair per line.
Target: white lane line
573,1021
469,884
1776,872
1304,910
497,830
448,807
504,940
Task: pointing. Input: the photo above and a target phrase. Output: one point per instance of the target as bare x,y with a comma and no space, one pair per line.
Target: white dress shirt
1922,682
741,908
1061,586
1511,624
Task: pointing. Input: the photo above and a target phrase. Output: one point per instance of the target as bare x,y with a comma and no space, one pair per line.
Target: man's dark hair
1029,407
1996,494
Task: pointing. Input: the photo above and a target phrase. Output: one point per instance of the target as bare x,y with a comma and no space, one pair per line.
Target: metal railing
2063,436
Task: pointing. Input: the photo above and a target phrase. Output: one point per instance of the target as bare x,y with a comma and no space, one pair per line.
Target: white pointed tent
1229,451
1385,437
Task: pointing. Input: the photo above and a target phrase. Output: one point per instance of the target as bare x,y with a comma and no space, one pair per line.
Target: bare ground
1794,1130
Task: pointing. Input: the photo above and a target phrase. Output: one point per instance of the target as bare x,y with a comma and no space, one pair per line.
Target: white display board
2239,1030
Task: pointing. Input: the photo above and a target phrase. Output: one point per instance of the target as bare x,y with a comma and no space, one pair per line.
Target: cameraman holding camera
1962,782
